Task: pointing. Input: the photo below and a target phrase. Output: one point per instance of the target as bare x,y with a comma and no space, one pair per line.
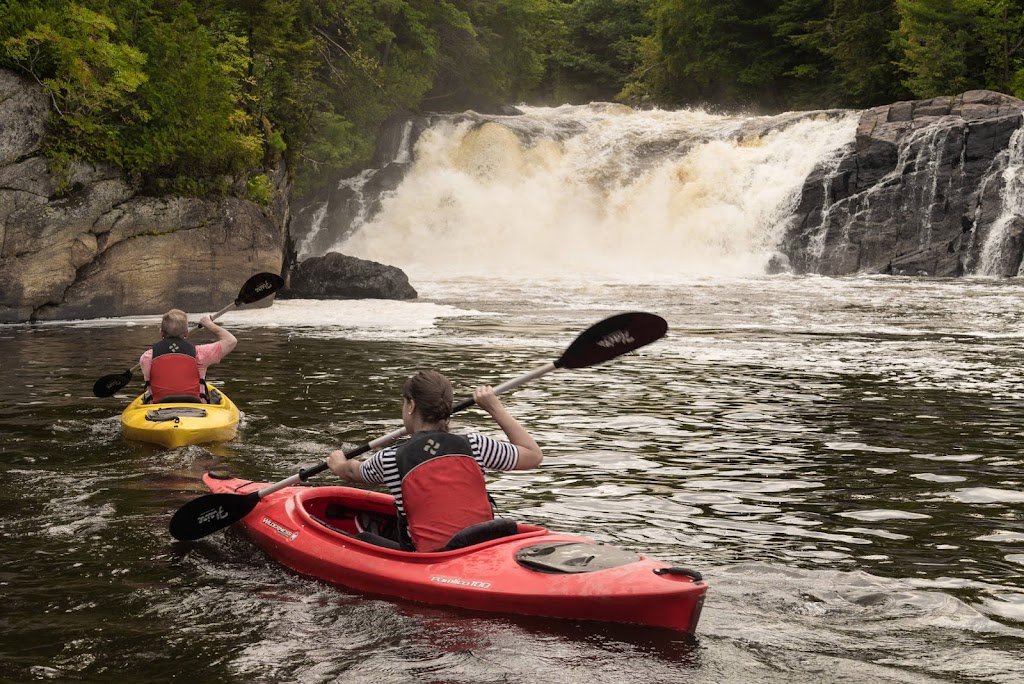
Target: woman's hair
433,395
174,323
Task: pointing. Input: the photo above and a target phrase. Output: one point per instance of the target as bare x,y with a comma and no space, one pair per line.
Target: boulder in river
339,276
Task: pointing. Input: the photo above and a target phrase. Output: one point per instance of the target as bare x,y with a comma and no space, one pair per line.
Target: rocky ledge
100,248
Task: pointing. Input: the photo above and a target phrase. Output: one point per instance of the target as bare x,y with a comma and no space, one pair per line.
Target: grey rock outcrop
338,276
922,191
102,249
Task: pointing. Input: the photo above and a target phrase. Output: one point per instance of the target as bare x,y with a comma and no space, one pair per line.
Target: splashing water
1012,197
599,188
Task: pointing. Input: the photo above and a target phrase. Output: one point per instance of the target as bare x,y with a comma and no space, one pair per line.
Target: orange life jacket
175,370
443,488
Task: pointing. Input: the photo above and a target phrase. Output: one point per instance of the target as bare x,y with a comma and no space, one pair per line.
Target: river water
840,458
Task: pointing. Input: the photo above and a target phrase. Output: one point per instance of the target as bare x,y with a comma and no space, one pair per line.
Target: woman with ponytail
435,476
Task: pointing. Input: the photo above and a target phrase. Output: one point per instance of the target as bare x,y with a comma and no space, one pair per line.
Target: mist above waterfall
598,188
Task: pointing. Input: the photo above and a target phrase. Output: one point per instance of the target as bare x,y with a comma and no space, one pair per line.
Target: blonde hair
433,395
174,323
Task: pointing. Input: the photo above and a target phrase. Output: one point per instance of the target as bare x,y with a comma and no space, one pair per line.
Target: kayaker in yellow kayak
437,477
174,369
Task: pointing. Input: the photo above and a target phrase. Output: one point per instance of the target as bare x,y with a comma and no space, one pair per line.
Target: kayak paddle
254,289
601,342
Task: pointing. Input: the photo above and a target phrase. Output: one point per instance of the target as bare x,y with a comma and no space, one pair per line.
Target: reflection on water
840,459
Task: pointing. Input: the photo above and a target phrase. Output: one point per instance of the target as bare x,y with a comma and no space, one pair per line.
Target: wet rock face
100,248
922,191
338,276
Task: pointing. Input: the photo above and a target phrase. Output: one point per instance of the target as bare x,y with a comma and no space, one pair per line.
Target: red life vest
443,488
175,370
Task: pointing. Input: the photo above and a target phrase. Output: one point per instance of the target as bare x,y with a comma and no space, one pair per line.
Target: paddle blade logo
612,337
209,516
617,338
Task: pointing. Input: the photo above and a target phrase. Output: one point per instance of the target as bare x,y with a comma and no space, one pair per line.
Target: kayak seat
378,540
481,532
474,534
180,399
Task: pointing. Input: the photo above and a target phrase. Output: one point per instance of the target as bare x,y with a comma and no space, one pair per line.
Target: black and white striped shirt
382,468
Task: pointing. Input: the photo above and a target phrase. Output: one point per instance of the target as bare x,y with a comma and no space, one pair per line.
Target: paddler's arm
345,468
226,339
530,455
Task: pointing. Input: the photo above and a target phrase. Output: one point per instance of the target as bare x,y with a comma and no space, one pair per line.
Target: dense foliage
201,97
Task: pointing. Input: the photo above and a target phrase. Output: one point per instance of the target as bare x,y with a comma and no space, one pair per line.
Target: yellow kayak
177,424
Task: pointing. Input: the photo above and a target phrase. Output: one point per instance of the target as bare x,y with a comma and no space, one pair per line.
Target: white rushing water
1012,199
599,189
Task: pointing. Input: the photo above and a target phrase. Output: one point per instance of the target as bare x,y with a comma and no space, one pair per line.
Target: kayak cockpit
361,515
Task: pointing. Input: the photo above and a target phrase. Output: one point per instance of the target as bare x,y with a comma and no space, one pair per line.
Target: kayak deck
311,530
177,424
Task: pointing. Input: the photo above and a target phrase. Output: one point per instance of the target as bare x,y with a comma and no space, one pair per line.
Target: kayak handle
676,570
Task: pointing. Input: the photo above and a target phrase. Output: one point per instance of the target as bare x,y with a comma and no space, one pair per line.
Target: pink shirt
206,356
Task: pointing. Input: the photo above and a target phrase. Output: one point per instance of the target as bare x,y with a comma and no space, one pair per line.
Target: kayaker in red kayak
435,476
174,369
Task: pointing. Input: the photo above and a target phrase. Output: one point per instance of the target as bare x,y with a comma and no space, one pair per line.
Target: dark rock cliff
928,188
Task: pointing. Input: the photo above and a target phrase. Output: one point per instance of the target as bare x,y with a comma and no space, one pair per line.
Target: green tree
496,55
847,57
376,57
999,29
90,78
862,55
200,128
719,52
934,39
599,50
278,88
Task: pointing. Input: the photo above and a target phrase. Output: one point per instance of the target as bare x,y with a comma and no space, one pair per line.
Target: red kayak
531,571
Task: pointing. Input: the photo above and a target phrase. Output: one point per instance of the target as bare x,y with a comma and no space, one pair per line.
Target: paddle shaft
384,440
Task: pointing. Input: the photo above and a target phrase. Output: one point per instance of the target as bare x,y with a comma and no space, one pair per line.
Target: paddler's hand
343,467
336,462
529,454
486,399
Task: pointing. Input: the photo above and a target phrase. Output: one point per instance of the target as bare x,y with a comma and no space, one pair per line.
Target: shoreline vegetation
203,99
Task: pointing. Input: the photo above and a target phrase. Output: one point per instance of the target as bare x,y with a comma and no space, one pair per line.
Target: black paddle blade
259,286
613,337
109,385
207,514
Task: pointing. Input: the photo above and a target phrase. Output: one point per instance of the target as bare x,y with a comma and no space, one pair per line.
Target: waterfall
996,246
595,188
